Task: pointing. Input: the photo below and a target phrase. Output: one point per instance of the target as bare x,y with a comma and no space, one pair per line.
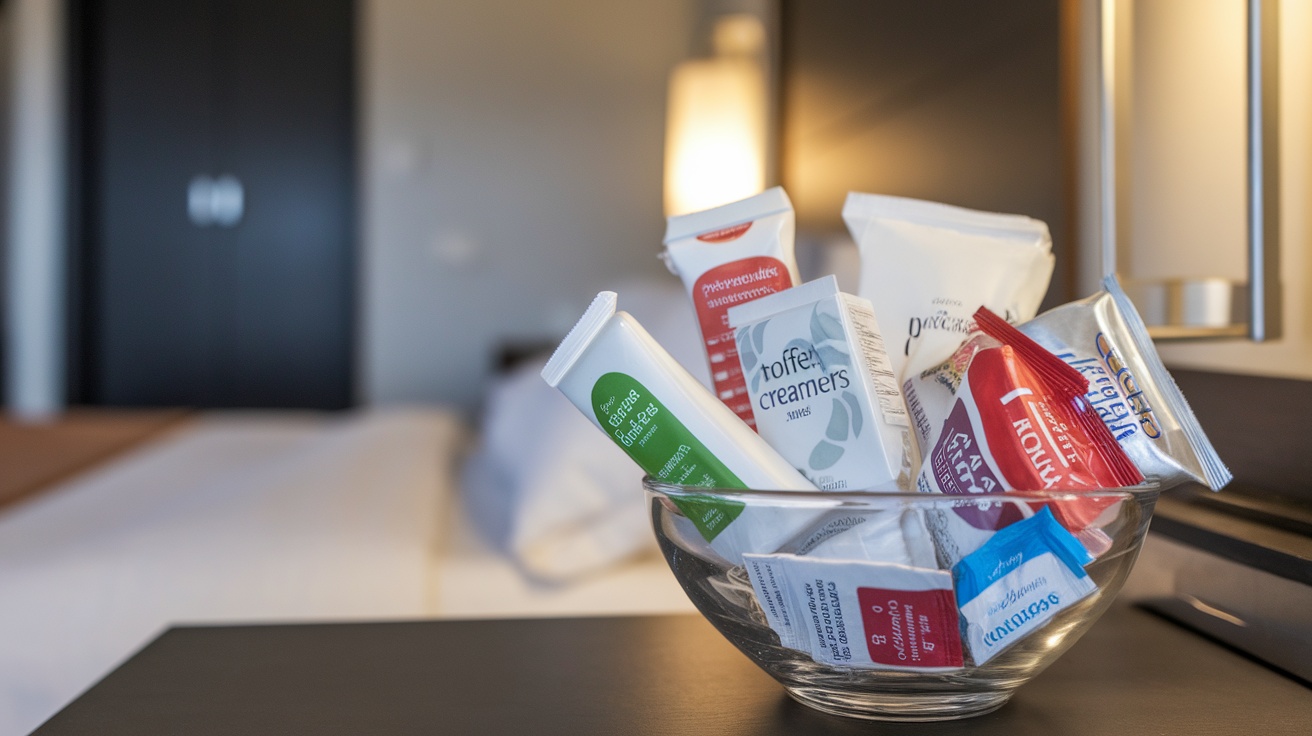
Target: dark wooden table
1134,673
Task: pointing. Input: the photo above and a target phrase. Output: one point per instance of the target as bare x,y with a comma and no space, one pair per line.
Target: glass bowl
871,553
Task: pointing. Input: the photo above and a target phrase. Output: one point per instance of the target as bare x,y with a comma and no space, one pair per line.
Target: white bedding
253,518
556,493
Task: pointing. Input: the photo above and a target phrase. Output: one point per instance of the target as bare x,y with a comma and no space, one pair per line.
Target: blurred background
375,202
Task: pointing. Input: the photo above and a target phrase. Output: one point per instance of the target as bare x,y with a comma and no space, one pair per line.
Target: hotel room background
485,157
488,164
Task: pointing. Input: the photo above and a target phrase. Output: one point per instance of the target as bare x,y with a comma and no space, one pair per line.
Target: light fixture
715,133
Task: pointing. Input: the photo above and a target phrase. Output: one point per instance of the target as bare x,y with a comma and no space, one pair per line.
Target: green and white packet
622,380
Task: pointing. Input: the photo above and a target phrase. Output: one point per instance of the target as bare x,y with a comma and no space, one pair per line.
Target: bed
260,517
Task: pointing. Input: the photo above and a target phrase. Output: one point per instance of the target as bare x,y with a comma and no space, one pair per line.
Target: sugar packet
1004,414
1017,581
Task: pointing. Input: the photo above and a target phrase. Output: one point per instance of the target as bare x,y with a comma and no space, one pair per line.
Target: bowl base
939,706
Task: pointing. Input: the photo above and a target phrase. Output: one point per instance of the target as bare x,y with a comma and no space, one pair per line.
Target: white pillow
547,486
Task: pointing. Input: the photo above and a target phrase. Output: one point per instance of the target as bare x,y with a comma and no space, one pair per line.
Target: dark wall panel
956,101
172,312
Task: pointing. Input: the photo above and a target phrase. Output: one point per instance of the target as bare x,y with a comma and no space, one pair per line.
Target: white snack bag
622,380
1104,338
868,615
822,388
727,256
926,267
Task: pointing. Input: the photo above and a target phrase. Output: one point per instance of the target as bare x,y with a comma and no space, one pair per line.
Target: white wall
511,168
1186,216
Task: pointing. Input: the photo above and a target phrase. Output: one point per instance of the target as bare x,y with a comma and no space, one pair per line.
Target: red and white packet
728,256
860,614
1005,414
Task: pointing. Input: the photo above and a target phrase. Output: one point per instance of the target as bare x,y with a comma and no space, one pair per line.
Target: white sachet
898,536
926,267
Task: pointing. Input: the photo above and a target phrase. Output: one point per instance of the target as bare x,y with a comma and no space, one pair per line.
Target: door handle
218,201
227,201
198,201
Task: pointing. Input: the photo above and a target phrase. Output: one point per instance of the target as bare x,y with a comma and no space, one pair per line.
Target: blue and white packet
1017,581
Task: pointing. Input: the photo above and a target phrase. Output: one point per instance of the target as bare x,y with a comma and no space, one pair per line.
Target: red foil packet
1015,417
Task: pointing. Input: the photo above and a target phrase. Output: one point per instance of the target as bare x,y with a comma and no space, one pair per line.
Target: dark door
254,308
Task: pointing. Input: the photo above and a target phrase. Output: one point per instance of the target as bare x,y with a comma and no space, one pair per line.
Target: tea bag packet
822,387
1008,415
1104,338
1017,581
869,615
727,256
926,267
612,370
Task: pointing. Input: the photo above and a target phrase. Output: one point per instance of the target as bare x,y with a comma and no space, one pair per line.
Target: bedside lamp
715,132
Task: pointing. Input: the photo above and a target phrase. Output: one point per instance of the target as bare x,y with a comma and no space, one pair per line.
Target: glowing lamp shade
715,133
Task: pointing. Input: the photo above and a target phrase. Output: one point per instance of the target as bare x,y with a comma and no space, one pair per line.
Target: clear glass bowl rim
1149,488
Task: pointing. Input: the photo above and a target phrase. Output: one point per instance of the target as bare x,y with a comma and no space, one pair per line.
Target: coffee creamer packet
822,388
629,387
